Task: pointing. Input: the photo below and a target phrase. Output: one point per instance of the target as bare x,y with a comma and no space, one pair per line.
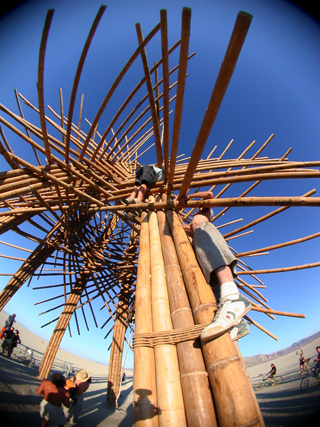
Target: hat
83,375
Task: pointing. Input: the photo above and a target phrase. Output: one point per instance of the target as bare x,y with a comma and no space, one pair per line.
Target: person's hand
182,202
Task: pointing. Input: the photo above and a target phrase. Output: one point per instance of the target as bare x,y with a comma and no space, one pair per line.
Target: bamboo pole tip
186,11
246,15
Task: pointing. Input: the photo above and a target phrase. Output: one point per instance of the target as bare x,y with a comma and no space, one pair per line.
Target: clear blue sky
275,89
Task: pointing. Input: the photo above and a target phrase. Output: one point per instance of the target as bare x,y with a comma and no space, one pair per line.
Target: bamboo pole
165,68
227,67
234,402
121,109
278,246
43,45
78,75
169,392
155,119
194,379
114,86
183,61
145,404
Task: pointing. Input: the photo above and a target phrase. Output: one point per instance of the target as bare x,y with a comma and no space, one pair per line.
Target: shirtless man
218,265
54,395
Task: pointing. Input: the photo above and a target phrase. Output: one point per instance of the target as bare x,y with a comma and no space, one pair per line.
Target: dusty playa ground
283,405
19,403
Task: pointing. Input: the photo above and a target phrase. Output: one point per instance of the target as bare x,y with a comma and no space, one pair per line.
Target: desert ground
283,405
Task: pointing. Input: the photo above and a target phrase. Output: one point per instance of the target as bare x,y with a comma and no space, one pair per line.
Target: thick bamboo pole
169,391
145,405
234,401
194,379
238,36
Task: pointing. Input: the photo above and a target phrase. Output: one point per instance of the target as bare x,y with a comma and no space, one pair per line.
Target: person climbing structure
218,265
145,178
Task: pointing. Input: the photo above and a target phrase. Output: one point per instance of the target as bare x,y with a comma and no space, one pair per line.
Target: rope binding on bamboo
173,336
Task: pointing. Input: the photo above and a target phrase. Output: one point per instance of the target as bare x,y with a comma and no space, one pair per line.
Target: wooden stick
249,319
165,68
155,119
43,45
281,270
229,62
77,77
280,245
183,61
114,86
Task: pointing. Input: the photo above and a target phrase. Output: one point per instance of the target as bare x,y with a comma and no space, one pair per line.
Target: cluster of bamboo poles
66,199
182,384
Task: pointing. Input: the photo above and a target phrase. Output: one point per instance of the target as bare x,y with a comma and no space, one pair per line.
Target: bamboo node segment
174,336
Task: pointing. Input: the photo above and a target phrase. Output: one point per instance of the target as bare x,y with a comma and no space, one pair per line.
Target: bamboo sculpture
68,205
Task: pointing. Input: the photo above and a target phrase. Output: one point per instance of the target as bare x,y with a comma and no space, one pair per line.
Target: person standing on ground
14,342
9,322
82,381
7,340
145,178
54,396
218,265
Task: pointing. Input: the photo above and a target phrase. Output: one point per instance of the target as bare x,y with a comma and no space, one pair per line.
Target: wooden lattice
67,198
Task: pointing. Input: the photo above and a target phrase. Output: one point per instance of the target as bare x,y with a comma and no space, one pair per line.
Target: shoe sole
214,334
237,337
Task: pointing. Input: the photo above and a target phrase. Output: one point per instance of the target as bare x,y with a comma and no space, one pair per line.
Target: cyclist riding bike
272,373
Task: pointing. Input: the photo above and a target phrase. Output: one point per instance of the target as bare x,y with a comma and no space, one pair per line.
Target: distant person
218,265
302,363
272,373
124,377
9,322
54,396
14,342
145,178
82,381
7,342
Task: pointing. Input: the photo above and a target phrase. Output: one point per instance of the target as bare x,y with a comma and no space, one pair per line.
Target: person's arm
40,389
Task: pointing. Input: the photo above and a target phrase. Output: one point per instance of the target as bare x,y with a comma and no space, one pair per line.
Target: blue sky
275,89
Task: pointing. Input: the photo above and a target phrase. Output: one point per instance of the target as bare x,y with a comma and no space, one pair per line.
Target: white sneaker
228,314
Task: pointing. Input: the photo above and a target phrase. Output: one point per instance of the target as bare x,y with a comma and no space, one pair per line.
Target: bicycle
304,384
24,356
68,370
265,382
